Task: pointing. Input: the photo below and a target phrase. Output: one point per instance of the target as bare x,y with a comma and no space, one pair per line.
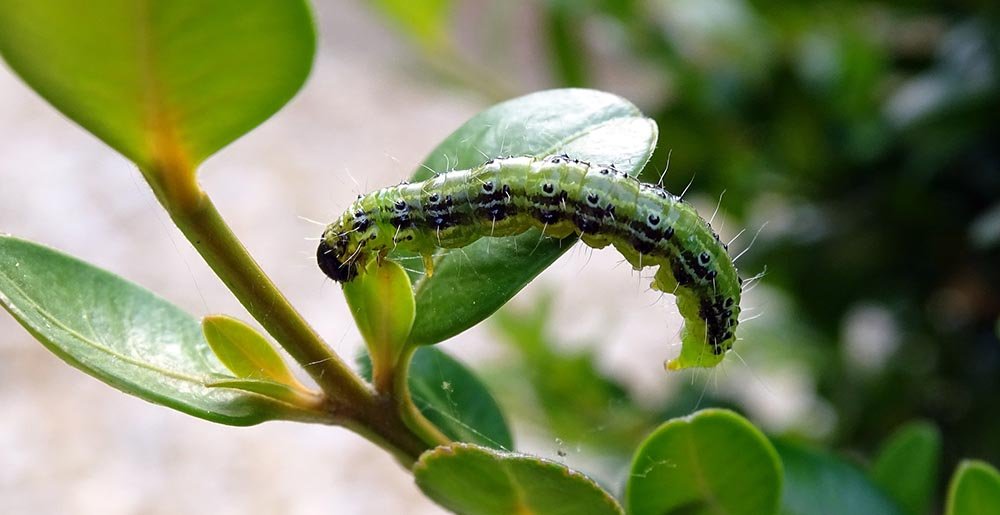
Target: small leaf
974,490
244,351
279,391
453,399
122,334
469,285
474,480
907,466
818,483
713,462
166,82
381,301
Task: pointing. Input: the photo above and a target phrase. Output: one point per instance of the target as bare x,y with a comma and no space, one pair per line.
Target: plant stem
350,401
223,252
412,416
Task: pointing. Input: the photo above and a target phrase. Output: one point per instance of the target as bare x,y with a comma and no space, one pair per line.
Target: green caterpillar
561,196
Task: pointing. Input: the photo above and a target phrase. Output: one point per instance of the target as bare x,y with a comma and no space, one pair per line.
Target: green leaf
453,399
907,466
283,392
974,490
381,300
121,334
468,285
712,462
818,483
473,480
244,351
162,82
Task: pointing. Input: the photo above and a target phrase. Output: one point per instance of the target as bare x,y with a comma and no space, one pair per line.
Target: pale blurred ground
69,444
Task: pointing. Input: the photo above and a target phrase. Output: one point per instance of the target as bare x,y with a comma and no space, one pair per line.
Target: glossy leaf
244,351
713,462
907,466
453,399
974,490
168,82
121,334
818,483
473,480
468,285
381,301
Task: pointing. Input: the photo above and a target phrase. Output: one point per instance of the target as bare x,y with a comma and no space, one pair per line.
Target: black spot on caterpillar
561,196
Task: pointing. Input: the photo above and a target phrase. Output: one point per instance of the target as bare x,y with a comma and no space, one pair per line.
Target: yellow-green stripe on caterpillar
561,196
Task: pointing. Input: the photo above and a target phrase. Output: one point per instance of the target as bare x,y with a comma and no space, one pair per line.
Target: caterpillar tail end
695,353
708,360
673,365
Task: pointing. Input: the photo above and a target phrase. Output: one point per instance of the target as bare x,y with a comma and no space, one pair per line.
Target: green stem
350,401
411,416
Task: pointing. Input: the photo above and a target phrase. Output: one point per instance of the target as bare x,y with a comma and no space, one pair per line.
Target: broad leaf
122,334
469,284
166,83
818,483
713,462
907,466
974,490
454,399
473,480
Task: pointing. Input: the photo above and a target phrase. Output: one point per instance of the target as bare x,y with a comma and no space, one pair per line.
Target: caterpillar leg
428,263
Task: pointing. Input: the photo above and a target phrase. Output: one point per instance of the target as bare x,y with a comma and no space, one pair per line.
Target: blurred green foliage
864,134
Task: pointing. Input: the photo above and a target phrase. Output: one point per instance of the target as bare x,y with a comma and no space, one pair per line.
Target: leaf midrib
95,345
699,475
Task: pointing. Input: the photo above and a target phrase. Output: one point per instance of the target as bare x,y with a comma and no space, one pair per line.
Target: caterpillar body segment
561,196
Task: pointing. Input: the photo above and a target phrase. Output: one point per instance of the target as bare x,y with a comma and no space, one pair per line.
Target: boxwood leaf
713,462
819,483
122,334
470,284
974,489
283,392
244,351
907,466
474,480
164,83
381,300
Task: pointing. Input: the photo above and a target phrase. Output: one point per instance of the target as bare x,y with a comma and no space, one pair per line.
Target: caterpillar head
331,259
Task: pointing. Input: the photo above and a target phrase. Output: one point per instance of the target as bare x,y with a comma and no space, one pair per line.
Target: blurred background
858,141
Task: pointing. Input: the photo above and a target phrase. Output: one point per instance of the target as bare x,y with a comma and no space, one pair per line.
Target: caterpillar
561,196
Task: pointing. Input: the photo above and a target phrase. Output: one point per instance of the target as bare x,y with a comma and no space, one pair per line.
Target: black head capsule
329,262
